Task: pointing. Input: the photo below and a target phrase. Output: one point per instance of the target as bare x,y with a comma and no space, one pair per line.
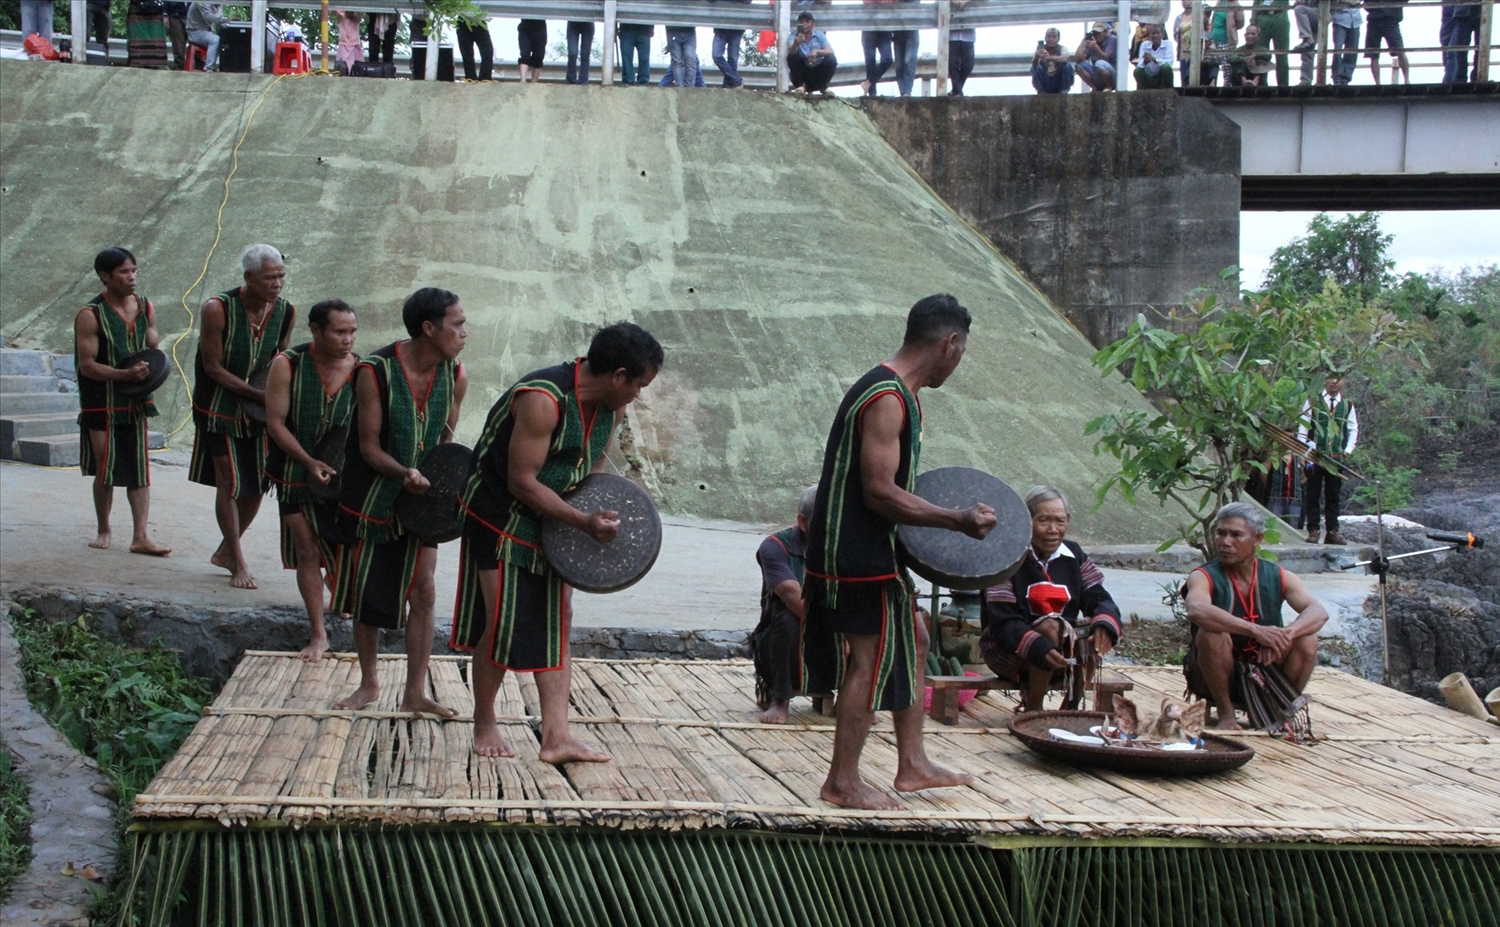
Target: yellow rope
234,166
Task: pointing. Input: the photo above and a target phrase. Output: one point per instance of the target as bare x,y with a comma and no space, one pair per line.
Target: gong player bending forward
406,402
547,433
855,591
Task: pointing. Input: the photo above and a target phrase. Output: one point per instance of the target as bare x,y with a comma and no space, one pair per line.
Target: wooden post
945,29
1486,30
611,8
324,67
258,36
1122,46
1325,25
78,28
1195,60
783,29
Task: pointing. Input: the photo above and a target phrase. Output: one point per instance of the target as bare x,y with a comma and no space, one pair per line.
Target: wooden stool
1110,684
945,689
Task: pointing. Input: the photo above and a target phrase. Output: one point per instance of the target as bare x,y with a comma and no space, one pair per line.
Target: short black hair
935,316
805,17
318,314
625,345
429,304
109,260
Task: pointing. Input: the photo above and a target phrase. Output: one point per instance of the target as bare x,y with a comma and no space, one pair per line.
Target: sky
1423,241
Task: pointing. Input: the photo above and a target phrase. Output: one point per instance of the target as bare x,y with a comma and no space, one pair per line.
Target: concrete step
33,426
21,383
155,440
49,450
13,404
16,362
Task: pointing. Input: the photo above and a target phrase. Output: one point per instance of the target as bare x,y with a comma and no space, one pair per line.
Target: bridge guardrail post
258,36
1482,51
1325,26
78,28
945,28
783,29
1122,46
1195,58
611,10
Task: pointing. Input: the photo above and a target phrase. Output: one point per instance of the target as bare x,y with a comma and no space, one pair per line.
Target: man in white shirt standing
1330,426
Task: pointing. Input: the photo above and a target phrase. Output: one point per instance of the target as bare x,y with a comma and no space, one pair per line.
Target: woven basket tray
1031,729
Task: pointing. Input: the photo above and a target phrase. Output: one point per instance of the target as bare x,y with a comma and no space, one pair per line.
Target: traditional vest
412,422
576,444
117,341
770,603
311,414
1330,428
847,541
247,351
1263,605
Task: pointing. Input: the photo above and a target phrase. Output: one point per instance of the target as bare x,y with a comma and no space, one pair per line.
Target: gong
953,559
255,411
159,369
583,562
330,450
437,515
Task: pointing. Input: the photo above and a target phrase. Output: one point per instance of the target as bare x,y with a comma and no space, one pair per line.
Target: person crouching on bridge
782,559
542,437
856,593
809,57
1234,604
407,397
1030,618
243,330
114,325
310,393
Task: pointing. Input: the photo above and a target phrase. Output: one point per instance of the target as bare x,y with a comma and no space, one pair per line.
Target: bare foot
1227,723
777,713
571,750
862,796
361,697
315,649
426,706
221,559
488,742
101,542
242,580
149,548
930,776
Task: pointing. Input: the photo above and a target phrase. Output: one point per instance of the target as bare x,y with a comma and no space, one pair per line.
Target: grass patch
15,824
128,708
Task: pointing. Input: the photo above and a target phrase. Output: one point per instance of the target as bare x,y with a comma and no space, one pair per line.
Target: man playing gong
309,394
114,325
243,331
548,432
856,594
407,397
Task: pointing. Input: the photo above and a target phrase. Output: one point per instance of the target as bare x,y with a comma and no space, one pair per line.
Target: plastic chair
291,58
197,57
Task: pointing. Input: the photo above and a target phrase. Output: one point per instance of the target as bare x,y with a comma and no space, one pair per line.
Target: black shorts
247,458
884,609
529,614
1390,30
531,35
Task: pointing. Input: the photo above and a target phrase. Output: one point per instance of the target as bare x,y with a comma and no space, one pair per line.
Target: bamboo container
1462,697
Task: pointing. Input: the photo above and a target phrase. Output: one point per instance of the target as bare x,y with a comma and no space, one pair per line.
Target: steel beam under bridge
1367,148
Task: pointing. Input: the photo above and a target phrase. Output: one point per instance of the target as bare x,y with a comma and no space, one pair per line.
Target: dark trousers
382,45
635,53
99,22
815,76
580,50
877,45
468,37
775,650
1321,499
960,65
726,53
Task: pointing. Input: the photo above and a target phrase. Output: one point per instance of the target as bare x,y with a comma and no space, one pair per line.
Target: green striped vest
117,341
246,353
577,443
1330,428
1269,592
311,415
410,427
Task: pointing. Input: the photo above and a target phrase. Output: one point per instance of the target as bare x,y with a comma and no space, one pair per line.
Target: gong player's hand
322,472
415,481
603,525
140,371
978,521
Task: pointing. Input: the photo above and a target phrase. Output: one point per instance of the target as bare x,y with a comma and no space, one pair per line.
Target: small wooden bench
945,691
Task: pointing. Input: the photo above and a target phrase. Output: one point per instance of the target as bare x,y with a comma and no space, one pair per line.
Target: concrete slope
772,244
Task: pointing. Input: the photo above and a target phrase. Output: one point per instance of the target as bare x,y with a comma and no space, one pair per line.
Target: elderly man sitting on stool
1234,603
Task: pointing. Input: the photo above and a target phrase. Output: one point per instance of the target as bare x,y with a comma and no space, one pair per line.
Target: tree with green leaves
1350,251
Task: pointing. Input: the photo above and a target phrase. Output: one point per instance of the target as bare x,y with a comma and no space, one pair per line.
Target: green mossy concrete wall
772,244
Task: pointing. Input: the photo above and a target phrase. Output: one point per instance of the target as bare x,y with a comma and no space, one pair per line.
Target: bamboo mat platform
688,753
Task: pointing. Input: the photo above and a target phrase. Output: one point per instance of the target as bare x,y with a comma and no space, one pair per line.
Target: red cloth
40,47
1048,598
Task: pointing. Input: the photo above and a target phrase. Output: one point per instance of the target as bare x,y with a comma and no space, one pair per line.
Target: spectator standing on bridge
1223,32
531,39
580,50
1458,30
960,59
809,57
1186,34
1096,58
473,29
682,46
36,18
1346,21
382,28
905,44
176,32
1153,69
146,34
726,52
877,46
350,52
203,22
97,14
1305,13
1052,66
1384,22
1270,17
635,52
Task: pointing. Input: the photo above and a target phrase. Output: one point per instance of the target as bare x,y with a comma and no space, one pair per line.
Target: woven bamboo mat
689,752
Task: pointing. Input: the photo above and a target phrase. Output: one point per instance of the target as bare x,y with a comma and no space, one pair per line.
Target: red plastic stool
291,58
197,57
